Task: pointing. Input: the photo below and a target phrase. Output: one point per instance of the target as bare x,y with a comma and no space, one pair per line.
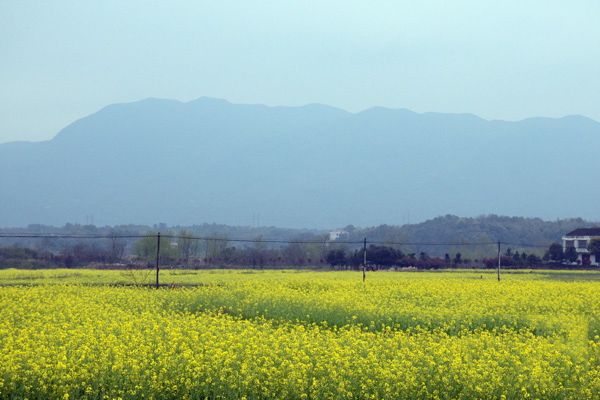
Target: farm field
299,335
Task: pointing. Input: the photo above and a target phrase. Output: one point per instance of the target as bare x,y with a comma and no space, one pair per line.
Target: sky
509,60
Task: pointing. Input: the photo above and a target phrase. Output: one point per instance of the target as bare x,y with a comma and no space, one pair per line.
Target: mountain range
314,166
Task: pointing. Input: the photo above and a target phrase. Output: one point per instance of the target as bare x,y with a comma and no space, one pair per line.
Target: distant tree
533,260
116,246
571,254
556,252
435,263
28,258
293,251
336,258
17,252
146,247
506,262
84,252
395,239
546,256
349,228
594,247
384,256
48,244
317,248
258,251
356,259
516,256
188,245
523,261
215,245
98,252
458,258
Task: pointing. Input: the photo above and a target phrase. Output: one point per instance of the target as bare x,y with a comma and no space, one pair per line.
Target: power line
435,244
69,236
241,240
526,245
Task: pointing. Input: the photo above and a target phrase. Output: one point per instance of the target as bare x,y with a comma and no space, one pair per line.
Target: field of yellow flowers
299,335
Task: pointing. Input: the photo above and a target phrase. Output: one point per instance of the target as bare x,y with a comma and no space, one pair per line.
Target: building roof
585,232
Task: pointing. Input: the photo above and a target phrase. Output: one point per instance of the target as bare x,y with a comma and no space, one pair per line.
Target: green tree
533,260
116,247
384,256
317,249
188,245
517,258
146,247
523,258
546,256
356,259
458,258
556,252
336,257
594,247
215,245
294,252
258,251
447,259
395,239
571,254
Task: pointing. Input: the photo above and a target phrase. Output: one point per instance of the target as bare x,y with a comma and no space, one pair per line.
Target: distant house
579,239
334,235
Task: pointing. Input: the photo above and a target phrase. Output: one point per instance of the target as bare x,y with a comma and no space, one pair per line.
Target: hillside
298,167
453,234
450,234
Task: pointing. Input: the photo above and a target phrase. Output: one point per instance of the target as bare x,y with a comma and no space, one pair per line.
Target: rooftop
585,232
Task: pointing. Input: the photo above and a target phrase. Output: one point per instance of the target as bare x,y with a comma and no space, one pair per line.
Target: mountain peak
319,166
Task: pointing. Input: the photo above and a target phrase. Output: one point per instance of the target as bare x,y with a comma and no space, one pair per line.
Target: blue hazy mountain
313,166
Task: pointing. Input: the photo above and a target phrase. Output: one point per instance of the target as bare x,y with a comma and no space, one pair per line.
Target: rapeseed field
307,335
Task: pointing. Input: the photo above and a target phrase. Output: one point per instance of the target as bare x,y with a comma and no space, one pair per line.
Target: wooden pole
499,258
364,259
157,256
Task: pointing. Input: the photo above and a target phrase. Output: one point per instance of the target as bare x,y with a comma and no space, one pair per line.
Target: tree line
184,249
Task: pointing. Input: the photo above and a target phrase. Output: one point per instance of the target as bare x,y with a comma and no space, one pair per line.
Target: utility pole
157,256
499,258
364,258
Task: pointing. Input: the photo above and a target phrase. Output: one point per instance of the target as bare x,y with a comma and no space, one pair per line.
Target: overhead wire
244,240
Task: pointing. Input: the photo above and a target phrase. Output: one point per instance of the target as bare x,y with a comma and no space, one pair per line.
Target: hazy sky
63,60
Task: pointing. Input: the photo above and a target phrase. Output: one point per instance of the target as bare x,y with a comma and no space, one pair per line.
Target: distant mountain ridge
299,167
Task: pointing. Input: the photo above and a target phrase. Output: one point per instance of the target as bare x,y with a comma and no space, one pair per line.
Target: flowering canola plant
291,335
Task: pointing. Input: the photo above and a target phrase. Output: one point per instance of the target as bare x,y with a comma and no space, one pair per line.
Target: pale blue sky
63,60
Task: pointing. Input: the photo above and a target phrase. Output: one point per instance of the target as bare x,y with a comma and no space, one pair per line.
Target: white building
334,235
579,239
